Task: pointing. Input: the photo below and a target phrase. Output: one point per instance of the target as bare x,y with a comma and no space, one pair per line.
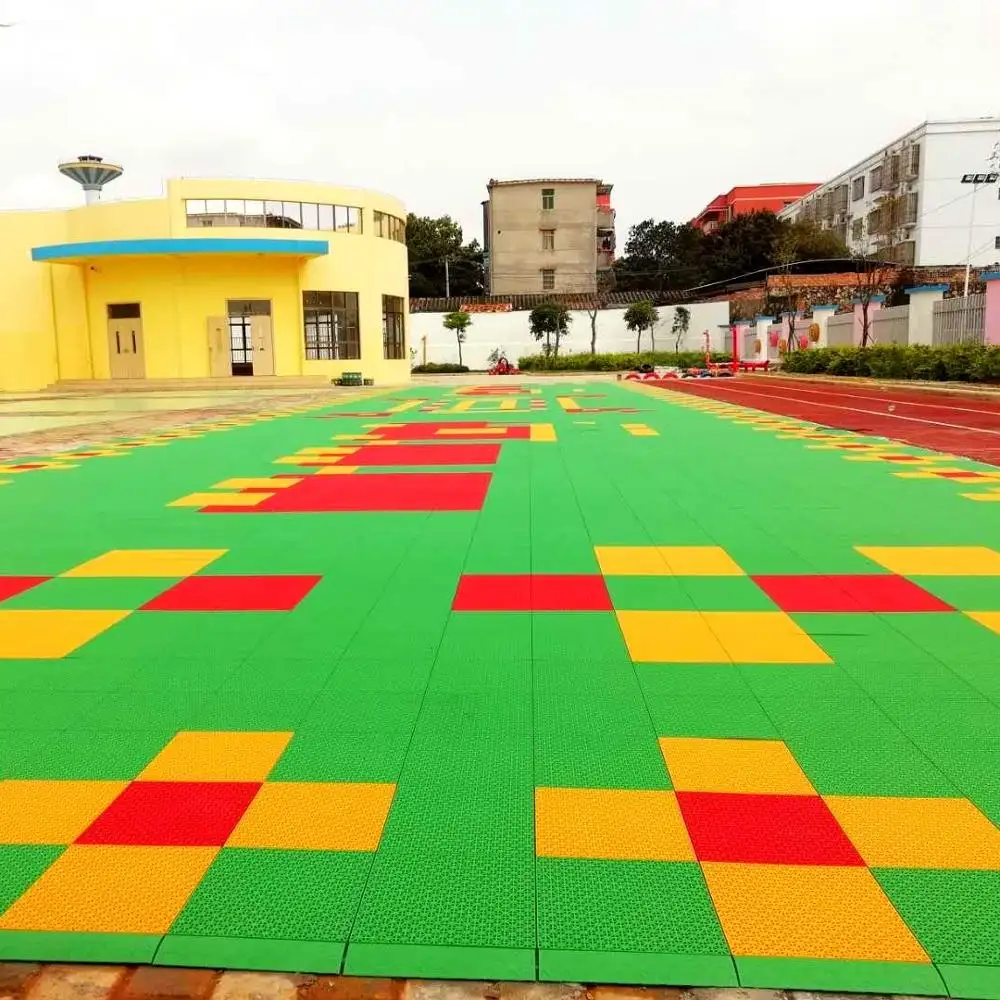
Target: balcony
605,218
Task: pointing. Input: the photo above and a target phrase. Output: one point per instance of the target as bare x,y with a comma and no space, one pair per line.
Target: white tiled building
921,173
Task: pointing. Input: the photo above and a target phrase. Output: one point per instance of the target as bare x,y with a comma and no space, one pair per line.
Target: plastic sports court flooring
580,682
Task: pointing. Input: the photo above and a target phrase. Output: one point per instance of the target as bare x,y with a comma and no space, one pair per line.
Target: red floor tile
172,814
426,454
234,593
541,592
765,829
10,586
873,593
381,491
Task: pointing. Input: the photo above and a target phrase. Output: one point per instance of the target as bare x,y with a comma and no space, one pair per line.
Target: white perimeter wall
509,331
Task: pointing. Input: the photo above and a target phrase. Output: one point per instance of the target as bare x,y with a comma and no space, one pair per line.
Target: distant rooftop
493,182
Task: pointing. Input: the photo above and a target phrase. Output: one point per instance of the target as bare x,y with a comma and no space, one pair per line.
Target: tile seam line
409,743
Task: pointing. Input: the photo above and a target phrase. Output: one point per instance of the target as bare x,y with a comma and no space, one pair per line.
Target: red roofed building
750,198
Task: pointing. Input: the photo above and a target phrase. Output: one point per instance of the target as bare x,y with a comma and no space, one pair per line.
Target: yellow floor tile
983,497
699,560
918,833
542,432
149,562
916,475
764,767
315,816
935,560
670,637
221,500
338,470
808,911
217,756
259,483
111,890
988,619
631,560
763,637
610,823
52,812
50,635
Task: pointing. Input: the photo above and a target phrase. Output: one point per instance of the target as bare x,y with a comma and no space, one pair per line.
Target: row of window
254,213
333,331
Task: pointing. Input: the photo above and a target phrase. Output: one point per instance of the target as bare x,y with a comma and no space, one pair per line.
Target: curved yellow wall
54,323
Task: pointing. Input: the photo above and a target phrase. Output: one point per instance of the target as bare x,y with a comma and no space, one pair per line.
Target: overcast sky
672,101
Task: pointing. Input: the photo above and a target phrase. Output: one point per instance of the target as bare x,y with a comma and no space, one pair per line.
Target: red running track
947,422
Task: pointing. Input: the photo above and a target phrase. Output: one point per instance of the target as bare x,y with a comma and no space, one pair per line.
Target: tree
640,316
680,325
599,301
548,320
430,243
660,255
459,322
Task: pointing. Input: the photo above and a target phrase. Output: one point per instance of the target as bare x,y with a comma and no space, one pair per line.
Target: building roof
493,182
572,300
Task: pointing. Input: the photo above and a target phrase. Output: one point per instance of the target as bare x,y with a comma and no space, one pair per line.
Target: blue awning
69,252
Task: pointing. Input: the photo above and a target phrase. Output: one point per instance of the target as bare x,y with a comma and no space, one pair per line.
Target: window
548,279
894,165
996,243
548,239
389,227
913,161
876,179
393,328
331,325
548,199
857,229
237,212
910,209
858,188
124,310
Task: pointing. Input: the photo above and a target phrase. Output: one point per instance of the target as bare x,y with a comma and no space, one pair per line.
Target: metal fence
891,326
959,321
840,330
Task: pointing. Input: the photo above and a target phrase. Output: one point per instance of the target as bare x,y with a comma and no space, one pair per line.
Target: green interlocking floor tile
97,593
954,914
299,896
649,593
246,953
439,962
578,636
651,920
84,754
726,593
970,981
703,700
823,974
42,946
966,593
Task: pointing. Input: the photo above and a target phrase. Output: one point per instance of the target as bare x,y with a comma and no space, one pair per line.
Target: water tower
91,173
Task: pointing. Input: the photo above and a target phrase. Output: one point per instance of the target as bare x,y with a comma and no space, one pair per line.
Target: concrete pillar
992,317
922,299
876,303
762,323
821,316
741,328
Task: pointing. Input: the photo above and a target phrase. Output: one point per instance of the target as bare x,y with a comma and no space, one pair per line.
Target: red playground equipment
504,367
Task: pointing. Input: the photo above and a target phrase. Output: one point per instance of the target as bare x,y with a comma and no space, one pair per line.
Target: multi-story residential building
928,198
547,235
749,198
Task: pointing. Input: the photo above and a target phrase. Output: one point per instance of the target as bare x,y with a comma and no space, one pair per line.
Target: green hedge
959,363
431,368
615,362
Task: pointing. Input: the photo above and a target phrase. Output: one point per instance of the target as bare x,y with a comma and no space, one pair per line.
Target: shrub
615,362
432,368
956,363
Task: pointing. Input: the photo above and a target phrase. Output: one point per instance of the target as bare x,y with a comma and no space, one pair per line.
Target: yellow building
221,278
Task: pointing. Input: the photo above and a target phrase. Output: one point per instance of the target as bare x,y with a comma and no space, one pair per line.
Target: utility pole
447,280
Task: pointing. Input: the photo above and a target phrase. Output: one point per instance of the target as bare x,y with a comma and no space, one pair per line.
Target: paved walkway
579,682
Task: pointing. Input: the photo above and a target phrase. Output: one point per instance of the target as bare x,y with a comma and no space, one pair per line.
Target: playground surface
584,682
